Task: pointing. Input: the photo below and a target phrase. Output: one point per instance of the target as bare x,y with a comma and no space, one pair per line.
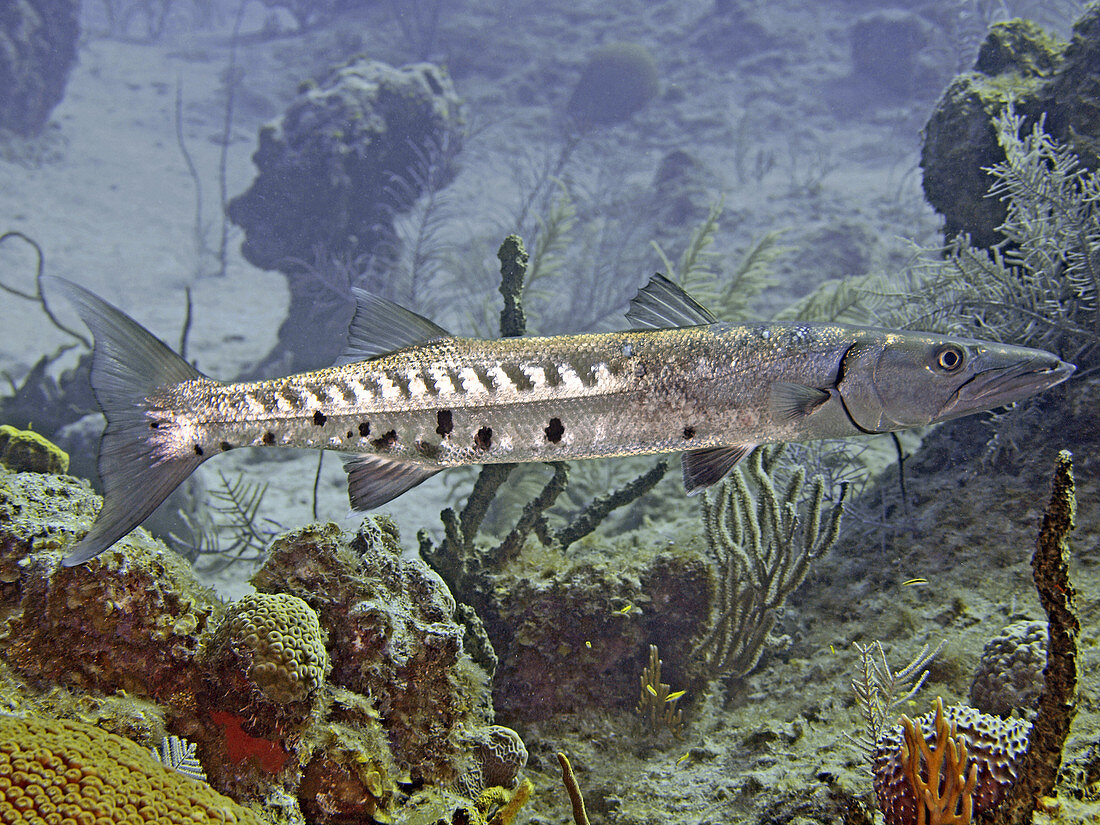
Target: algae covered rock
128,620
1043,77
392,636
25,451
574,633
959,138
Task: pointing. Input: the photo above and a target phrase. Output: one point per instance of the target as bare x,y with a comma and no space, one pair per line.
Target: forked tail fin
128,365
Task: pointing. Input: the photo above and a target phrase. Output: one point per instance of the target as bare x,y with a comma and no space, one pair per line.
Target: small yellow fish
626,608
672,697
919,580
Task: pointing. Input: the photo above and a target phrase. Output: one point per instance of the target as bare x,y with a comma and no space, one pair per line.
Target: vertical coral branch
1058,700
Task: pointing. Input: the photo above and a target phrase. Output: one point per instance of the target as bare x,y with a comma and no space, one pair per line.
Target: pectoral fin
790,402
374,480
702,468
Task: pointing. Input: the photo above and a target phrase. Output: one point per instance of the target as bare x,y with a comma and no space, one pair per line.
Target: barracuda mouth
1000,386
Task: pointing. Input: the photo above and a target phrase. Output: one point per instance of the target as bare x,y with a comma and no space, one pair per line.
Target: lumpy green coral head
619,79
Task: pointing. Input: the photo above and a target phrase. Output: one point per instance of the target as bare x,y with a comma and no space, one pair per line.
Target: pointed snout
998,386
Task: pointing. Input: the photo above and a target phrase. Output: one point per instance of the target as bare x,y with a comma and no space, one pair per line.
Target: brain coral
281,642
993,744
58,770
500,756
1010,674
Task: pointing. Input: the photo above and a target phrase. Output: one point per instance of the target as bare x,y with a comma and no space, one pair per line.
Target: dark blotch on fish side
364,429
269,438
226,446
198,450
319,418
153,425
689,433
387,440
444,422
351,434
427,449
554,430
483,438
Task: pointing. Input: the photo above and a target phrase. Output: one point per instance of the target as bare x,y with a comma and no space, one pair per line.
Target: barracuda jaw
998,387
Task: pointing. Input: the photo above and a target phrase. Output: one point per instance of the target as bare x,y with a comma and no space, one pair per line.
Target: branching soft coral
947,797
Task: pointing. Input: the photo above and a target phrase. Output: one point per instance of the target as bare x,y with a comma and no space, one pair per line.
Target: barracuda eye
949,358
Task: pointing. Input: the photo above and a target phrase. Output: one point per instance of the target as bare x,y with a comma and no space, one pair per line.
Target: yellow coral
282,639
25,451
61,771
946,796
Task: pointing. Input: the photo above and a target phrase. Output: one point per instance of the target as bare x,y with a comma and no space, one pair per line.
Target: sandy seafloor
108,197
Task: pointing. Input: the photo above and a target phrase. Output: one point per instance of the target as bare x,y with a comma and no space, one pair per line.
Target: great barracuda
408,399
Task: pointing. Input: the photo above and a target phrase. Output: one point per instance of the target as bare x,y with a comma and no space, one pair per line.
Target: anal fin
374,480
702,468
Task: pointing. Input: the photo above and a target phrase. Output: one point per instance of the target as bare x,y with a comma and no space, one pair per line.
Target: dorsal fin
661,304
380,326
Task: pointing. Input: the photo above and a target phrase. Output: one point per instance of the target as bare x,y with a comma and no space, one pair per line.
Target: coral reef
327,186
618,80
1010,673
25,451
246,683
994,746
58,770
38,41
1040,75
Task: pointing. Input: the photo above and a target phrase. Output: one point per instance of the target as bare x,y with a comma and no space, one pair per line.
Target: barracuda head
894,380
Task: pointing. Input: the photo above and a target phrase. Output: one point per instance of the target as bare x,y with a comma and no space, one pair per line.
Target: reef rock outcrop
38,41
392,636
346,156
1042,77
